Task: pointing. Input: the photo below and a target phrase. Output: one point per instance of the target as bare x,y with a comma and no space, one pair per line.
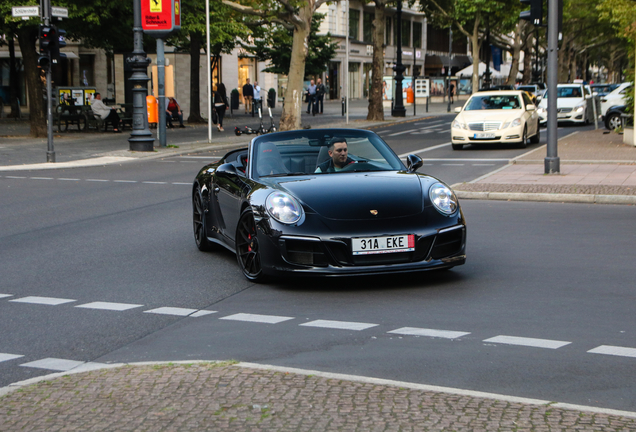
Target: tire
613,121
457,146
198,223
537,137
247,248
524,138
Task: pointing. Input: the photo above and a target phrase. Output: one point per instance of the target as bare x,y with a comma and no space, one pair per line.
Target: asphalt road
545,296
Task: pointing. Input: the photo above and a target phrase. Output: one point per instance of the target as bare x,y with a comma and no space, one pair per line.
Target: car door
531,117
229,194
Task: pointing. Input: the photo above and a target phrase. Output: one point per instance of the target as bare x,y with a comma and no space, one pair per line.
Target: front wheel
247,248
524,138
613,122
198,222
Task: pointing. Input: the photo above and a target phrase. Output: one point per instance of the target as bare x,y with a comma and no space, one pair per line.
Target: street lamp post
398,107
450,52
140,138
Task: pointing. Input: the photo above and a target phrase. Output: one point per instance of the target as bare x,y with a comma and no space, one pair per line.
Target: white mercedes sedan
496,117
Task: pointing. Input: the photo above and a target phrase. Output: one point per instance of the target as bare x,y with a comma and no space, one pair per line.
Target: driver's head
338,151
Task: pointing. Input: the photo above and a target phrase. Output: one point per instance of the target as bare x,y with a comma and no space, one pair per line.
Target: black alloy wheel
247,247
198,223
537,137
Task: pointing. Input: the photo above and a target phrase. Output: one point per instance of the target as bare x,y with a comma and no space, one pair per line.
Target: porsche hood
362,196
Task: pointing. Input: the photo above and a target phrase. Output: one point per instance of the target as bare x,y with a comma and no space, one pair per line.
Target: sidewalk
189,396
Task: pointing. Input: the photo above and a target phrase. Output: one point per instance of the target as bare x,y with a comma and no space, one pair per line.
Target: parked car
612,118
289,205
574,104
534,89
615,97
496,117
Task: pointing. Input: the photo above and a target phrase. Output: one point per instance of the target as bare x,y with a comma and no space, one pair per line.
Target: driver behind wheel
338,156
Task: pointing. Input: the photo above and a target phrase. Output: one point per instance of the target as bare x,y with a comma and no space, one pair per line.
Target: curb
337,376
548,197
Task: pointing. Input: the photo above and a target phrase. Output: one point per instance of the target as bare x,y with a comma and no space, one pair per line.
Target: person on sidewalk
173,111
257,96
248,95
220,104
311,97
106,113
320,95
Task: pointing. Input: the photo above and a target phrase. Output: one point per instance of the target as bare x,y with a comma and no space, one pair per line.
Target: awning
434,62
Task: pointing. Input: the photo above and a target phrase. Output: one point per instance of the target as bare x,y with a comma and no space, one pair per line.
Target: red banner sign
160,17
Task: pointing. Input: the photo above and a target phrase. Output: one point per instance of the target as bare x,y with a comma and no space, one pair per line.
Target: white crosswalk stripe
61,365
614,350
267,319
109,306
7,357
172,311
530,342
413,331
342,325
6,295
42,300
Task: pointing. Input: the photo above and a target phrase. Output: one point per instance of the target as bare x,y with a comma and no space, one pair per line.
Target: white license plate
382,245
484,136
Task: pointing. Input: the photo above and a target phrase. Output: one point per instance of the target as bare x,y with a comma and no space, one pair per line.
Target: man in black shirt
338,156
248,94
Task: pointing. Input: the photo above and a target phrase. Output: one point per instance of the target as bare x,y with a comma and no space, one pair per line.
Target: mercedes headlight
443,199
283,207
579,108
458,125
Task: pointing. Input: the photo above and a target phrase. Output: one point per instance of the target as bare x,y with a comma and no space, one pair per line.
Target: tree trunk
527,61
290,118
476,44
195,56
37,111
516,55
13,81
376,107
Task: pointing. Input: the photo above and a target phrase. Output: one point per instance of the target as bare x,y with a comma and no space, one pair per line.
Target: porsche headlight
283,207
458,125
443,199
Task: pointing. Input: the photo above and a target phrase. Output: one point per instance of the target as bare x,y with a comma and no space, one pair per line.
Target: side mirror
227,171
458,109
531,107
413,162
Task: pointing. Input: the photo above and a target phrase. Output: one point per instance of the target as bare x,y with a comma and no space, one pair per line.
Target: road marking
453,164
199,157
125,181
153,182
58,364
6,295
202,313
43,300
15,177
68,179
614,350
7,357
424,132
384,131
41,178
267,319
343,325
531,342
483,164
182,183
403,132
97,180
172,311
444,131
425,149
413,331
109,306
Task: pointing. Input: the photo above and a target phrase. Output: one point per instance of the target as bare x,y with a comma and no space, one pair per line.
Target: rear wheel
198,223
247,248
457,146
613,121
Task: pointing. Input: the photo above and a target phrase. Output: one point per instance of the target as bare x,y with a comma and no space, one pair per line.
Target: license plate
484,136
382,245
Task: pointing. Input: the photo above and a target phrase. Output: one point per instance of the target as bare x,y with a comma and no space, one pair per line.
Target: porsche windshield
493,102
327,151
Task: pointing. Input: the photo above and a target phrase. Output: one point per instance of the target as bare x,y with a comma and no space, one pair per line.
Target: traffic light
43,62
47,36
59,42
535,14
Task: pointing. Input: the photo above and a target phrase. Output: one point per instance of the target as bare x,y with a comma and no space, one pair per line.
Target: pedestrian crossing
56,364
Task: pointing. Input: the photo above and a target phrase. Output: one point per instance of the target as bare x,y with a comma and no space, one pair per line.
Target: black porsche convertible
286,205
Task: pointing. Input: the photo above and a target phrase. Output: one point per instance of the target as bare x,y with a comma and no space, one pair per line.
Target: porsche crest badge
374,212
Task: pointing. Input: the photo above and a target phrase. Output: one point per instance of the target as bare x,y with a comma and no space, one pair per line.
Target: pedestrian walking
248,95
311,97
257,96
320,95
220,104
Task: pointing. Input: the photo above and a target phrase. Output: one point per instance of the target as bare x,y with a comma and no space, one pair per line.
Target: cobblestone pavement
226,396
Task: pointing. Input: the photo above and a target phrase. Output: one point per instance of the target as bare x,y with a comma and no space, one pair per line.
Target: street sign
160,18
60,12
25,11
